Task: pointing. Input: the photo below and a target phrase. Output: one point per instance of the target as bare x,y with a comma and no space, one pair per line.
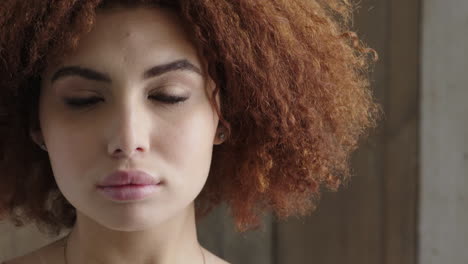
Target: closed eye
170,99
84,102
81,102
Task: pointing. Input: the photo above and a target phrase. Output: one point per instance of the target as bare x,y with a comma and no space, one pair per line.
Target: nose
129,132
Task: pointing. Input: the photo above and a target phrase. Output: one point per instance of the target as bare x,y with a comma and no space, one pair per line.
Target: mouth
129,185
129,192
130,177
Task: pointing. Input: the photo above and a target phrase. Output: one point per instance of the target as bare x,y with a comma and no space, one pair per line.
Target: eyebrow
93,75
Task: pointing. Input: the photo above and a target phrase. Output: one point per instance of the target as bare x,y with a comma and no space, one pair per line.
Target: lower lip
128,192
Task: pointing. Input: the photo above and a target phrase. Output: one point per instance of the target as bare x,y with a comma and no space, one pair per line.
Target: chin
134,218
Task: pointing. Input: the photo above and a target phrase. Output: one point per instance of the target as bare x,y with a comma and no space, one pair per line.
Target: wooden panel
346,228
374,219
402,134
216,233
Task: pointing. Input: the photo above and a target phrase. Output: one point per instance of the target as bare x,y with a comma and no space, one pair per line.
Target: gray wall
443,232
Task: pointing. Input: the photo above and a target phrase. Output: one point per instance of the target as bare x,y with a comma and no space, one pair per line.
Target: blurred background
408,200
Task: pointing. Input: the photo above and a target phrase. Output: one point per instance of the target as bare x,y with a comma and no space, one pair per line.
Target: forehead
139,25
134,36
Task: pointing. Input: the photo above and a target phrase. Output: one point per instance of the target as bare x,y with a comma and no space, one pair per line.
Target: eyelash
83,102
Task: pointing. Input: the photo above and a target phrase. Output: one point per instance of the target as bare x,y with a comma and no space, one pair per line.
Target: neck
173,241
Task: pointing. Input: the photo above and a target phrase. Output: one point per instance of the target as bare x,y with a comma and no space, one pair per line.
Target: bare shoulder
48,254
212,258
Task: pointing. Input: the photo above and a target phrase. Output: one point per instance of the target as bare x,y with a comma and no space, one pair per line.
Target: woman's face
129,121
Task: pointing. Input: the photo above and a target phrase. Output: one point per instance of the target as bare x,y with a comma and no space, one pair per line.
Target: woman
125,121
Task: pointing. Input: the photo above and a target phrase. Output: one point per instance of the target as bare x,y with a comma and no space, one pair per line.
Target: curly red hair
294,89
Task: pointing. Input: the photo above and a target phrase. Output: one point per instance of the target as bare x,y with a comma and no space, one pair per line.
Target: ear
217,140
36,136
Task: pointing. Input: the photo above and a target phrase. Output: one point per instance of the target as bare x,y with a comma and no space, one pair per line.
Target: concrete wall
443,231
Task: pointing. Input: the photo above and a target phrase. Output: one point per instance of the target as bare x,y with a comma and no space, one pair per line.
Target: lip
128,185
131,177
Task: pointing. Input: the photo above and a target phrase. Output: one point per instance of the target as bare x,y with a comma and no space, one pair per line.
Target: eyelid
85,102
172,89
168,83
184,79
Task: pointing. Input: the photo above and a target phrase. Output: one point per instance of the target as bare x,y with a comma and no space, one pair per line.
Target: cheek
193,141
72,151
190,145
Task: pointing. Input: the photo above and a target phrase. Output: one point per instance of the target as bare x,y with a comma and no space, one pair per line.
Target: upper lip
126,177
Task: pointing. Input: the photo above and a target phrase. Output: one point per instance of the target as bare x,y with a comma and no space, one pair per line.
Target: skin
128,129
